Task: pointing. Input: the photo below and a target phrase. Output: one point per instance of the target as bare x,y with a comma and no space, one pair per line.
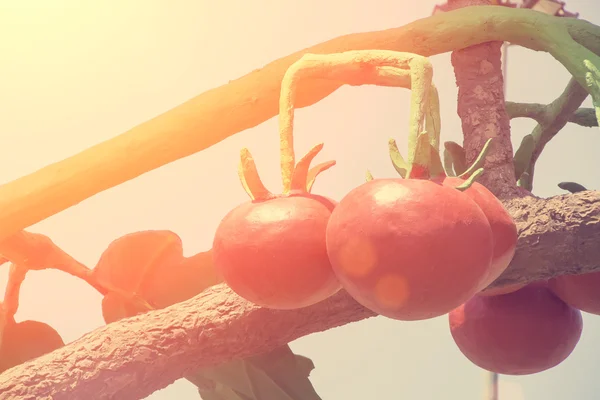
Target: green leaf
250,179
289,371
457,153
368,176
315,171
277,375
397,161
436,168
232,374
300,174
522,157
448,165
470,180
572,187
221,392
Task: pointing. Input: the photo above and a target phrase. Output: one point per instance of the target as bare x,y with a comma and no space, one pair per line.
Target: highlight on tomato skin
273,252
519,333
579,291
409,249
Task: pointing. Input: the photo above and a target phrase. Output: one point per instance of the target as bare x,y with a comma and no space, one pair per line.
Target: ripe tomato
520,333
409,249
272,252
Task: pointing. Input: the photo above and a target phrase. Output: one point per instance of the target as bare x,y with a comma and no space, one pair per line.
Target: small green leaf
479,161
277,375
232,374
448,165
457,153
300,174
315,171
525,181
397,161
522,157
572,187
250,179
288,371
436,168
222,392
470,180
368,176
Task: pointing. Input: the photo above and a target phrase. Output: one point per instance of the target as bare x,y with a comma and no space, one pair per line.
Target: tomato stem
287,99
421,74
433,121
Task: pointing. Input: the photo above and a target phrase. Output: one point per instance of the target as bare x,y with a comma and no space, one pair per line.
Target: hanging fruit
579,291
271,250
413,248
524,332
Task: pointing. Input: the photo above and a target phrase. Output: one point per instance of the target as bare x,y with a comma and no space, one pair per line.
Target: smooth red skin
503,227
579,291
520,333
435,237
273,252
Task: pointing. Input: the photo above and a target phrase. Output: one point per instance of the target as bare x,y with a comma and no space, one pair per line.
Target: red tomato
409,249
579,291
520,333
273,252
503,227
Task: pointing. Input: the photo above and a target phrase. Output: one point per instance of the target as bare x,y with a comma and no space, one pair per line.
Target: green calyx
303,177
300,176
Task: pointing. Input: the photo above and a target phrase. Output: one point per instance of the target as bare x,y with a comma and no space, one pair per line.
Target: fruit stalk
364,67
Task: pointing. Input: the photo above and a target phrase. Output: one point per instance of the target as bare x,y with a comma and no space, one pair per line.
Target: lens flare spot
357,258
392,291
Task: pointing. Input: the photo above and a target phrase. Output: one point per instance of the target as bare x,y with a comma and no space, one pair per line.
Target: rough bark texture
478,71
134,357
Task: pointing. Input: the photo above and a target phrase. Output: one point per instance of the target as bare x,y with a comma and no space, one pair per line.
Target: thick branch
246,102
142,354
538,112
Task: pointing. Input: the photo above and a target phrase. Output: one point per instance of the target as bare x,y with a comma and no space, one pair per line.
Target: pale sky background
75,73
